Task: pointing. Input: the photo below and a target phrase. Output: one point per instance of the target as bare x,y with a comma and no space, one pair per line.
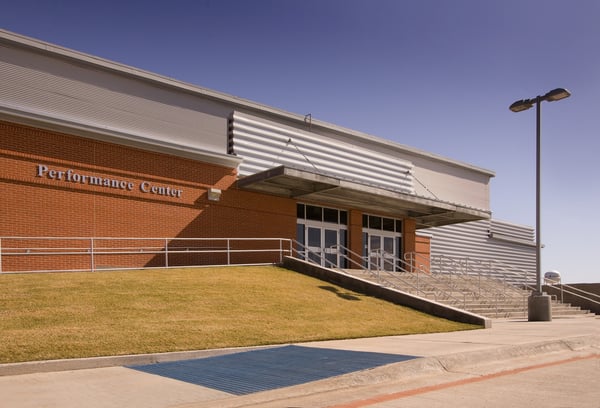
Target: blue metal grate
267,369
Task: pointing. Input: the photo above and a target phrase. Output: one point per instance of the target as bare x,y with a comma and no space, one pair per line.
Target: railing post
92,263
561,293
379,259
166,252
280,251
228,252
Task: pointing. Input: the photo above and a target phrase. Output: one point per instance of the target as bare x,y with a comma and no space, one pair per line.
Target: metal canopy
328,190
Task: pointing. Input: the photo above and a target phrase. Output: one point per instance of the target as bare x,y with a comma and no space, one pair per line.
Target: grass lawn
67,315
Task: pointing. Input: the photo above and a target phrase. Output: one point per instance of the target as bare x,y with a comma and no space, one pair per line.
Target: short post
228,252
166,252
92,263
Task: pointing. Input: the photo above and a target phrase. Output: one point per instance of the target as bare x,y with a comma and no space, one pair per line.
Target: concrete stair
477,294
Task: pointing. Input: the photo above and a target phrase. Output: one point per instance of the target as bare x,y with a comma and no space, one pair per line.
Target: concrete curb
458,361
47,366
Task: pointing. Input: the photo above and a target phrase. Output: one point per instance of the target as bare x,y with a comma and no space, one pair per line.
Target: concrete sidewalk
435,358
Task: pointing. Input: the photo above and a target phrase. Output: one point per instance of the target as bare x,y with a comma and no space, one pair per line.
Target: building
90,148
490,247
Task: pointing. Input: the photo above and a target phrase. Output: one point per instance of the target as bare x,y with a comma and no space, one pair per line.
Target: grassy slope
67,315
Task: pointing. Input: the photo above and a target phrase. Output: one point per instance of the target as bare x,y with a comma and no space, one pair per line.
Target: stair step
466,292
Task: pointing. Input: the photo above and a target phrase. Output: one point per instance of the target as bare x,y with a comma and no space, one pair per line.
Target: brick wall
59,185
423,252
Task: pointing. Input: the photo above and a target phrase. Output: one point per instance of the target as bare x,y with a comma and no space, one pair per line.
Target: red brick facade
58,185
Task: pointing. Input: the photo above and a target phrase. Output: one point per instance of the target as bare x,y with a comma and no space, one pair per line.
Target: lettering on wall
70,176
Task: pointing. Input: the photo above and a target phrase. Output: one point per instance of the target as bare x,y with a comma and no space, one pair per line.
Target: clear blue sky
433,74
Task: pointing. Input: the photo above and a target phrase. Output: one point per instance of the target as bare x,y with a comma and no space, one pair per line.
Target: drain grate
267,369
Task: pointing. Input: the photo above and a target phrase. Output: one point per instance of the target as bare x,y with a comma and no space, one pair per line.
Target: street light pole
539,305
538,196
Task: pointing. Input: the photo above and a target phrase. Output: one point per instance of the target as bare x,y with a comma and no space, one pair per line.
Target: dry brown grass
68,315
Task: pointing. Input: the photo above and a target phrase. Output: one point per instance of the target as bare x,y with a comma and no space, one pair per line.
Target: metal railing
582,296
47,254
386,269
457,289
514,280
488,274
466,266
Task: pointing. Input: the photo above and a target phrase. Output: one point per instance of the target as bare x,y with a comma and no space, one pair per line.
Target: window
322,214
314,213
374,222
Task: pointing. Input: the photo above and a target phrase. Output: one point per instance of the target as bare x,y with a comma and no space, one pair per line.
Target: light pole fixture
539,305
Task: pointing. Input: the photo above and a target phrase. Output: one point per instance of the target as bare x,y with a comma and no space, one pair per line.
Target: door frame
323,249
374,258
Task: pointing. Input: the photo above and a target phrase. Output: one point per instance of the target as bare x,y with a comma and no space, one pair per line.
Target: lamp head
556,95
521,105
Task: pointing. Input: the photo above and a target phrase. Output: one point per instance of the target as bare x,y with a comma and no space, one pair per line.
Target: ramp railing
47,254
388,271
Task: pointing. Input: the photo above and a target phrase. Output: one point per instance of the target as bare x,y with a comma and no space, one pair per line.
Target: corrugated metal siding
478,240
264,144
73,93
512,232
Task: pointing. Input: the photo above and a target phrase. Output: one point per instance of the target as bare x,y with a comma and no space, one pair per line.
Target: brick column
355,236
409,241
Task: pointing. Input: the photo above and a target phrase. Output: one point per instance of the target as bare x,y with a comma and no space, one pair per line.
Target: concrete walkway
423,360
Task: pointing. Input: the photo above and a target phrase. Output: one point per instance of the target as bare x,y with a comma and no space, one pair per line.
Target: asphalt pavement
374,372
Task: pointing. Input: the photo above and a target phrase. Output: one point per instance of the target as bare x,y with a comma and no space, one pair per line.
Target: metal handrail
508,274
491,269
484,273
396,279
462,268
97,246
442,287
392,277
304,252
571,290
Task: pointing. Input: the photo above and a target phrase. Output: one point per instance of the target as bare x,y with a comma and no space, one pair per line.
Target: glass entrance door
374,251
323,245
331,247
389,254
314,240
321,232
382,242
382,252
